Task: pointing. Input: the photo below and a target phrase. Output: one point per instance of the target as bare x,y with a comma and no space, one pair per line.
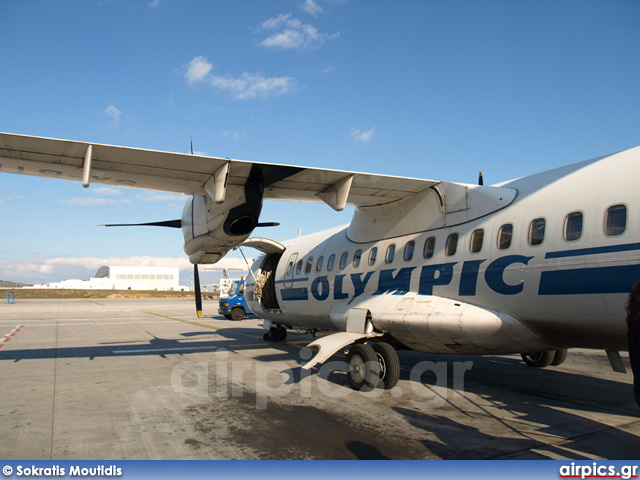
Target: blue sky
426,89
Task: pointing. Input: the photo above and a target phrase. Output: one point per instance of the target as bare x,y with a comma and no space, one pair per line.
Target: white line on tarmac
175,349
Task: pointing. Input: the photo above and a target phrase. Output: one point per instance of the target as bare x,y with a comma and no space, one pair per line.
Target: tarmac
146,379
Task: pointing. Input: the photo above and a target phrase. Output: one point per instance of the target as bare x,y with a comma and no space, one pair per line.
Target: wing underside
196,175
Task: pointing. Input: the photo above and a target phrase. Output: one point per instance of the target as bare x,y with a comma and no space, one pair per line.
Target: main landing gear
371,365
545,358
277,333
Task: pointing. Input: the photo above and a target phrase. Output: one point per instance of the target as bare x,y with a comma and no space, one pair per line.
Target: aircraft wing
194,174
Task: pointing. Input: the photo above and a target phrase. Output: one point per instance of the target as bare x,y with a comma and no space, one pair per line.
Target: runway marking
9,336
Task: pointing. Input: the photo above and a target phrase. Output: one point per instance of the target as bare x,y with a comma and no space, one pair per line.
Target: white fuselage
560,259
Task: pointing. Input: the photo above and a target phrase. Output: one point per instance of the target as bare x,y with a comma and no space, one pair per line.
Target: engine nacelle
211,229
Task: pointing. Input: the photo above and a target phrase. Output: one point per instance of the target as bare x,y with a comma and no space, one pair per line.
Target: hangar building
138,278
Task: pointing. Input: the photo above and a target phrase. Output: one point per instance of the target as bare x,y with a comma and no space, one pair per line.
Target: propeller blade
196,286
268,224
480,179
166,223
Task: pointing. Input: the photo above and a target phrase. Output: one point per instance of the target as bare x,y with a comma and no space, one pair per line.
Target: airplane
531,266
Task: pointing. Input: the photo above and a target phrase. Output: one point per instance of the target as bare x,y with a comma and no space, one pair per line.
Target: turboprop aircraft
533,266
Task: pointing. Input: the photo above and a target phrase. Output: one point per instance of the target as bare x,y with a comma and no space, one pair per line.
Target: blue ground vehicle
234,307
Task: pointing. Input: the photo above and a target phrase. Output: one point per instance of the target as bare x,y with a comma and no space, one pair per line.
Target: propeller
198,293
166,223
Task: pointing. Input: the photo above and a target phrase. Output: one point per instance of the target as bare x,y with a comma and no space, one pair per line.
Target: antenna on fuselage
480,179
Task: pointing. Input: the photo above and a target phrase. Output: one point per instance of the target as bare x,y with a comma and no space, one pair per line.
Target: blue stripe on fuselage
585,281
593,251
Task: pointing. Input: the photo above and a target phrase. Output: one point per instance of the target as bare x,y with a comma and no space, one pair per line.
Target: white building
138,278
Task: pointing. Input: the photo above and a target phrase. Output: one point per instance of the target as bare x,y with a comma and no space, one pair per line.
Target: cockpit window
299,267
319,264
309,265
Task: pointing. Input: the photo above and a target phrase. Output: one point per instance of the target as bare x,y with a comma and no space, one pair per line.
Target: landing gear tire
559,357
237,314
538,359
389,364
282,333
274,336
364,367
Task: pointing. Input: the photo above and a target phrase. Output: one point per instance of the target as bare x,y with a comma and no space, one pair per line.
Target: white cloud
247,86
113,113
105,191
293,34
234,135
197,71
88,202
154,3
161,197
362,136
311,7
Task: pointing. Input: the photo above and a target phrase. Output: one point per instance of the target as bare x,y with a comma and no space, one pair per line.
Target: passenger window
505,234
573,226
536,231
408,250
299,267
391,253
289,269
476,240
356,258
372,256
309,265
429,247
452,245
331,262
343,260
615,220
319,264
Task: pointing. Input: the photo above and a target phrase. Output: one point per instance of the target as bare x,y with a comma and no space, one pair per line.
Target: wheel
389,364
364,367
538,359
228,317
237,313
559,357
282,333
274,336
